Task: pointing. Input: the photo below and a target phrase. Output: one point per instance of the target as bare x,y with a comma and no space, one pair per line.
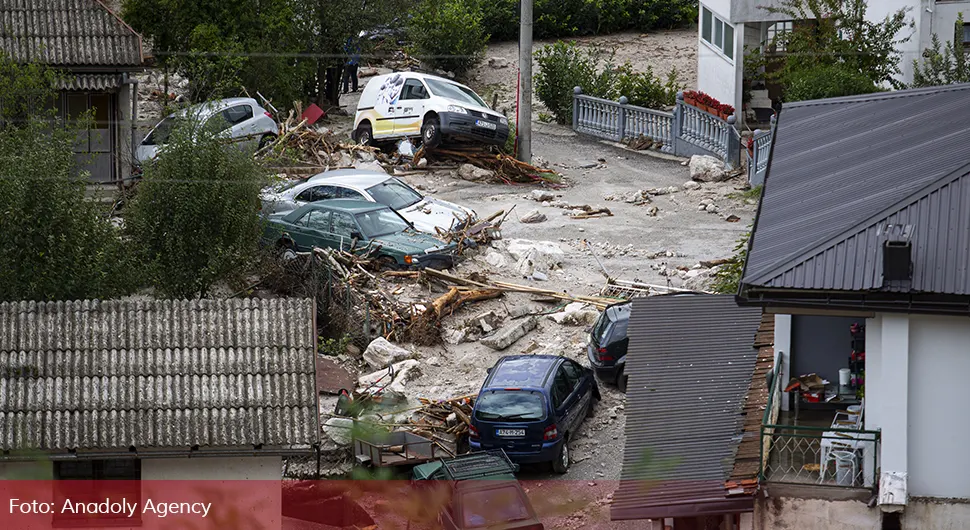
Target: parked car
481,492
357,226
607,344
242,119
409,104
424,212
530,406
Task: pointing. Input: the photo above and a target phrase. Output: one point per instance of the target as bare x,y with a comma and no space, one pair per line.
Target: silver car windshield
379,223
395,194
454,91
160,134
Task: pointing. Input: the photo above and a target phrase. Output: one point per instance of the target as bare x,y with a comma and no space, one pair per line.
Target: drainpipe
134,119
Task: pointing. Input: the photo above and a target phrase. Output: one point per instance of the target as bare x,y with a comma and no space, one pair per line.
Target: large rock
496,259
576,314
380,353
534,216
404,371
498,62
705,168
339,430
531,256
691,185
542,195
506,336
470,172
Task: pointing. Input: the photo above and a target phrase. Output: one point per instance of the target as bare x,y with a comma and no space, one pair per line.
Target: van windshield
510,405
454,91
493,506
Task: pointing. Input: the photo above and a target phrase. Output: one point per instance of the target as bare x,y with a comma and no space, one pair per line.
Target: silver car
424,212
243,120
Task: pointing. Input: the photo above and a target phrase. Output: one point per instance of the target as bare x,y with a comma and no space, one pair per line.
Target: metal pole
523,121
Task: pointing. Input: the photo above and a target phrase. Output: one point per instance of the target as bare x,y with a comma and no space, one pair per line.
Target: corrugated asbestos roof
159,374
690,367
67,33
844,171
92,82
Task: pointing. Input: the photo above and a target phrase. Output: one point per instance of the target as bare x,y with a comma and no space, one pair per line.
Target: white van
409,104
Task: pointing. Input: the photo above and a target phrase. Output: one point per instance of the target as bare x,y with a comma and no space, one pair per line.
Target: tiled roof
843,173
690,363
91,82
67,33
159,374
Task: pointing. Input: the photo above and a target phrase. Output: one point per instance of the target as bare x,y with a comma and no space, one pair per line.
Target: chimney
897,262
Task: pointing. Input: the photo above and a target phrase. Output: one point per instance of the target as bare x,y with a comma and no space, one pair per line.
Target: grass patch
753,194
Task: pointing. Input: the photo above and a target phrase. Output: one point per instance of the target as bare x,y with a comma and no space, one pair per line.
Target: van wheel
364,135
431,132
621,380
561,463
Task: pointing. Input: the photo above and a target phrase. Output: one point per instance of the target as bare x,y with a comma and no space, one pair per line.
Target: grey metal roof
159,374
690,363
67,33
844,170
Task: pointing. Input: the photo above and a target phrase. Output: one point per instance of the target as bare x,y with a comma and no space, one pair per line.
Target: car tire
387,263
621,380
364,135
266,140
285,248
431,132
561,463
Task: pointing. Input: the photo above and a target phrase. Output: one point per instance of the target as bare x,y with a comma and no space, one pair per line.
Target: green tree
839,40
448,34
564,66
943,65
194,220
54,244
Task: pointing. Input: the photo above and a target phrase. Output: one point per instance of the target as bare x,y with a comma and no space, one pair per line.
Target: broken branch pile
451,417
505,168
320,148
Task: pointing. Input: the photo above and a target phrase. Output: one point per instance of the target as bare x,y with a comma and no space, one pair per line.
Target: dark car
480,492
530,406
608,344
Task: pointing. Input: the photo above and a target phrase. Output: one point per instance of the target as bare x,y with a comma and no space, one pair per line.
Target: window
114,480
238,114
574,373
510,405
561,388
317,220
317,193
717,33
493,507
775,32
379,223
395,194
413,89
966,34
447,89
347,193
343,224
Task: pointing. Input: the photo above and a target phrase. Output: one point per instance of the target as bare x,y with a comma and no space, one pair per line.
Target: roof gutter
182,453
905,303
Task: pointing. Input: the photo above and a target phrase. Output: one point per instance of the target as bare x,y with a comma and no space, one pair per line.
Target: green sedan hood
411,242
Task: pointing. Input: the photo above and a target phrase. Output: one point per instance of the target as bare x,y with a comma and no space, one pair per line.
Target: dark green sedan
358,226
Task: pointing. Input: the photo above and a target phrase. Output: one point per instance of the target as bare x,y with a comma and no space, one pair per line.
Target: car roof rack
480,464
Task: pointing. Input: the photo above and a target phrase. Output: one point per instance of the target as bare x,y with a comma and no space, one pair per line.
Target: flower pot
690,101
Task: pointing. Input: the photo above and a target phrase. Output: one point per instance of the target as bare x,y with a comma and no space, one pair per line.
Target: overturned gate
686,131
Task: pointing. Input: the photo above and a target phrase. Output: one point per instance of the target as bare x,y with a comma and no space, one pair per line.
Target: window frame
333,224
709,34
966,33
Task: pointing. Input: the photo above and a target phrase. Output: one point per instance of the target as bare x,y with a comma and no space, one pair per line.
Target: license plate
511,432
485,124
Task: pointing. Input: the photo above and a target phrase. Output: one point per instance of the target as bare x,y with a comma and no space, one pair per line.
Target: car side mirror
356,235
488,370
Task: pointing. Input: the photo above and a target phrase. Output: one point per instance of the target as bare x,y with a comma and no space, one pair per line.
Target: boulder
506,336
339,430
576,314
498,62
691,185
474,173
534,216
496,259
542,195
404,371
380,353
531,256
705,168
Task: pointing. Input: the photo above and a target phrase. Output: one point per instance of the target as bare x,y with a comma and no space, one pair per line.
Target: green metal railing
825,456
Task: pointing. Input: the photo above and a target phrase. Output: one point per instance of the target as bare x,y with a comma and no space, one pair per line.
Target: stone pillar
892,400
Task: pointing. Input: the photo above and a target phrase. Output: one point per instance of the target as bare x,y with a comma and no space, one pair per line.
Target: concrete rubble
542,196
380,353
506,336
404,371
576,314
339,430
531,256
533,216
705,168
474,173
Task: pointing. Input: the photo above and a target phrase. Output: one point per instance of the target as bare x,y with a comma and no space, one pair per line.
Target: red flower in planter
726,109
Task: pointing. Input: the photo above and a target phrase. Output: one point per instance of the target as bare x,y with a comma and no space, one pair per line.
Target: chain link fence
816,455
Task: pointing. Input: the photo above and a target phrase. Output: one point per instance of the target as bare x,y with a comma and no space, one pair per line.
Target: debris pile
504,168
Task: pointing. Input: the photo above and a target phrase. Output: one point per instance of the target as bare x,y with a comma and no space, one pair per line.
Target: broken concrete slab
506,336
339,430
542,195
519,311
454,336
531,256
404,371
380,353
576,314
496,260
705,168
534,216
487,321
691,185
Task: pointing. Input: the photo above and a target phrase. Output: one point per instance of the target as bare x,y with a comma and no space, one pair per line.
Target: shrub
448,34
645,89
727,279
501,17
826,81
194,220
943,65
564,66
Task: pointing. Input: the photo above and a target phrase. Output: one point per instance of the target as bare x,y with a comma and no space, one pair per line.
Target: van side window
573,372
561,388
413,89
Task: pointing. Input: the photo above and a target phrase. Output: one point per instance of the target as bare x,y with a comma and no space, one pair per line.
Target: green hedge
568,18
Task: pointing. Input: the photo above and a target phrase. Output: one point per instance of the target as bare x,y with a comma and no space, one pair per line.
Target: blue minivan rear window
510,405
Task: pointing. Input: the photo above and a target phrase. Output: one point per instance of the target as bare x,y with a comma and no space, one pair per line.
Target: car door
311,230
410,108
582,391
242,128
343,227
317,193
385,103
563,400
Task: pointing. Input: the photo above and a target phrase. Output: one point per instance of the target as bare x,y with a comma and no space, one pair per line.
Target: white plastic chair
852,417
845,462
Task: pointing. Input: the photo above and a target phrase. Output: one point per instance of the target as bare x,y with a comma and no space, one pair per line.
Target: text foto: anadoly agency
121,507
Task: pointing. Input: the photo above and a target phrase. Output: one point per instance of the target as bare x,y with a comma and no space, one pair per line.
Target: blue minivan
530,406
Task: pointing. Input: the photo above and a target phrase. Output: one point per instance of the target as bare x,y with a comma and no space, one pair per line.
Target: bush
194,219
943,65
501,17
826,81
727,280
565,65
448,34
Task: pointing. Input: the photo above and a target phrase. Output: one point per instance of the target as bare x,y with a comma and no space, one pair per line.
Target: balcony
821,448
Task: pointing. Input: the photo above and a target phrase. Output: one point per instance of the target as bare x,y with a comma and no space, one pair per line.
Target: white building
726,28
148,392
863,222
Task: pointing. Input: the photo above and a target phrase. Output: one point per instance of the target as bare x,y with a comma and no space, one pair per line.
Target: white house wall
777,512
210,468
721,8
939,366
754,11
717,75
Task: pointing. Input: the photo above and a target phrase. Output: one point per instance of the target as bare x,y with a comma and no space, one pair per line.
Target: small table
844,396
